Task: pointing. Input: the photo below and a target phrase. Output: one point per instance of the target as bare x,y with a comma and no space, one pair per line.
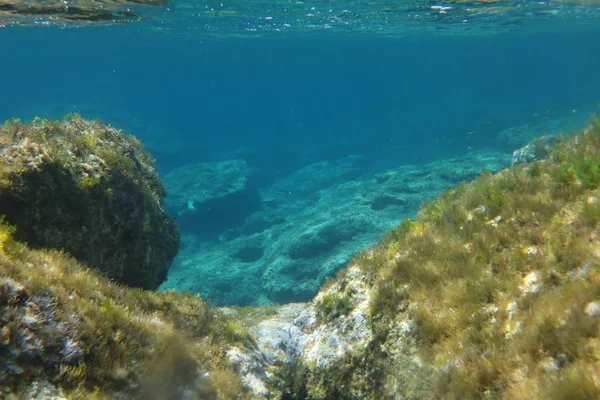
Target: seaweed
500,280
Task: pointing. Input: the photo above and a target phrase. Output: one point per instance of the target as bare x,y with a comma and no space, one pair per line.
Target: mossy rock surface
90,190
66,332
491,292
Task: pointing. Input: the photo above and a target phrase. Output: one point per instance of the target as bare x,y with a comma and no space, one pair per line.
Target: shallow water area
382,17
292,135
249,18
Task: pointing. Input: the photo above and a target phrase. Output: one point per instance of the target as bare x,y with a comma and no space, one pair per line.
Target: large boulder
88,189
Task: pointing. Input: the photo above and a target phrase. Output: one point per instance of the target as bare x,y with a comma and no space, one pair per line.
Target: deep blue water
286,94
283,102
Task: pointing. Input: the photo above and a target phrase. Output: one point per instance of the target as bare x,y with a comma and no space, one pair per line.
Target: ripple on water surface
253,17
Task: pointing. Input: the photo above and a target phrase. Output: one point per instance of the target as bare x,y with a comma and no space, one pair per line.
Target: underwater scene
299,200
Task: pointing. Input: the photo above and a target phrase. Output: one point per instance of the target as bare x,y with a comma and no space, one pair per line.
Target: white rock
592,308
530,283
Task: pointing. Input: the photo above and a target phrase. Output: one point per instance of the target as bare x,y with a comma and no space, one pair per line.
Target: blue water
290,93
284,102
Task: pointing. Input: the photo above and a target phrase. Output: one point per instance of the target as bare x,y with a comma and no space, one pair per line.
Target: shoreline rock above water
25,12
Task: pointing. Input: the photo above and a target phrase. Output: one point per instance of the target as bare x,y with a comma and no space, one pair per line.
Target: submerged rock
88,189
211,197
67,332
301,236
307,181
492,291
25,12
535,150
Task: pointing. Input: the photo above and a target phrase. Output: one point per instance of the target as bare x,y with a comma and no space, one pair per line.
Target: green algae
333,305
64,318
104,340
91,190
499,279
498,282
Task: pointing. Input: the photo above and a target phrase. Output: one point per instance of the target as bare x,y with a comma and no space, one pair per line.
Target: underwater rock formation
24,12
88,189
492,291
307,181
302,236
535,150
518,136
208,198
67,332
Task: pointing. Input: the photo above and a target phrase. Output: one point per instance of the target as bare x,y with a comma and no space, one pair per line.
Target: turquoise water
290,137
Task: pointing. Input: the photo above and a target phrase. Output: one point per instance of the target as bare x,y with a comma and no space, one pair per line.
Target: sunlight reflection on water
254,17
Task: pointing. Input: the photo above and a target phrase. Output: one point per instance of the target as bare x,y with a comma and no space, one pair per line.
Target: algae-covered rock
491,292
67,332
537,149
90,190
26,12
